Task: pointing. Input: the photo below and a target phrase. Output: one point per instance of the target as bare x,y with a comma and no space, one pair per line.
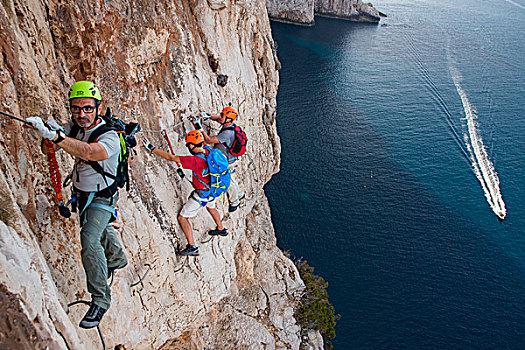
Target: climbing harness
89,202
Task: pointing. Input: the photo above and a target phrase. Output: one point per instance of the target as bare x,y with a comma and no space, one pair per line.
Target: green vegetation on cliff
315,311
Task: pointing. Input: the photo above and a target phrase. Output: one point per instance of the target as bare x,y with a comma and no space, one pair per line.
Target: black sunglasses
200,144
85,109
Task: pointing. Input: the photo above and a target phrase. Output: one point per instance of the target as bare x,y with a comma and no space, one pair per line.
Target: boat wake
469,142
436,94
481,164
515,4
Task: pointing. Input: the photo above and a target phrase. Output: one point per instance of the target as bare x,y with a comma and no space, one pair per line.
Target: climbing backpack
220,177
238,147
126,133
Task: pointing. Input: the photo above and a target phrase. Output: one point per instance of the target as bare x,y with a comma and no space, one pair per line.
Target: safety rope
56,179
157,131
190,118
167,139
165,134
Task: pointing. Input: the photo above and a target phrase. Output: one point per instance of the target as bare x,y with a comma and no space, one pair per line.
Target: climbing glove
42,129
53,125
148,145
197,123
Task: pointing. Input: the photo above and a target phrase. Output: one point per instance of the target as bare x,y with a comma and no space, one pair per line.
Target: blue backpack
219,173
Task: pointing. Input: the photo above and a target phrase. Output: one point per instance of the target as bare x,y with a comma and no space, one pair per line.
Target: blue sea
402,142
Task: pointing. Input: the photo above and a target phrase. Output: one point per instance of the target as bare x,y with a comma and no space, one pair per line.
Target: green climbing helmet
84,89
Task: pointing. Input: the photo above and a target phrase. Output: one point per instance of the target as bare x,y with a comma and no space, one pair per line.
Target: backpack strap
96,165
207,170
229,148
75,129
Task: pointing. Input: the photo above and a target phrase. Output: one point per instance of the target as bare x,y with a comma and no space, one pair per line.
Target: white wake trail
516,4
483,167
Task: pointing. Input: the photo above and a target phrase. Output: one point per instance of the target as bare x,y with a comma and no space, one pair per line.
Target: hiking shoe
217,232
233,208
112,269
92,317
190,250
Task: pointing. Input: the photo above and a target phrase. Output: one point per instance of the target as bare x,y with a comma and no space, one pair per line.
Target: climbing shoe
233,208
217,232
92,317
191,250
112,269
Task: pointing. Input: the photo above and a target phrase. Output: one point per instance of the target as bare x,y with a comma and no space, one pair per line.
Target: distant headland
302,12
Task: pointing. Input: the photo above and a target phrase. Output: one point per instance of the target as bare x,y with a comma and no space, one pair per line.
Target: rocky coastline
303,12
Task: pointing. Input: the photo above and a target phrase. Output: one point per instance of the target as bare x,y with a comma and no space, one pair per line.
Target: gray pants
100,249
234,192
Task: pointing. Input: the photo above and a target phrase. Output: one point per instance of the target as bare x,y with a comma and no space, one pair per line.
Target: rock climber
198,166
224,141
95,190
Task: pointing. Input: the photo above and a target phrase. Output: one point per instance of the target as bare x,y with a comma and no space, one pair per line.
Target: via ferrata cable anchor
142,278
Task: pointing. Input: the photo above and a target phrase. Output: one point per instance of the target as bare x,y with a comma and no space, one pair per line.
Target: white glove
197,123
204,115
42,129
53,125
148,145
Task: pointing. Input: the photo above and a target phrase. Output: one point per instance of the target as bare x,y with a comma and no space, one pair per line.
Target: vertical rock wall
151,61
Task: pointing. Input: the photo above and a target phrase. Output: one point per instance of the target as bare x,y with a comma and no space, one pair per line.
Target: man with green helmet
94,188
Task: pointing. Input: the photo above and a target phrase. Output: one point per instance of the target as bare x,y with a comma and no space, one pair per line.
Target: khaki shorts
192,206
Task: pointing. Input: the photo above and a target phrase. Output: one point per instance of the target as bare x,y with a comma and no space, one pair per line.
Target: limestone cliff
155,62
295,11
303,11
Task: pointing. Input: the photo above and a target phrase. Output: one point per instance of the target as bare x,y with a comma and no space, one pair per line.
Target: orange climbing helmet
229,112
194,137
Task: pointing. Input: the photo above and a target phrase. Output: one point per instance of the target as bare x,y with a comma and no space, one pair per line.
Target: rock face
295,11
354,10
303,11
151,61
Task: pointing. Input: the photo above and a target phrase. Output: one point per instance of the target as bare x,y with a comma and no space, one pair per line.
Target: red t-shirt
197,165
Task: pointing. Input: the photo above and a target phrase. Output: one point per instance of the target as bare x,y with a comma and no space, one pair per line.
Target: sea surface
401,144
